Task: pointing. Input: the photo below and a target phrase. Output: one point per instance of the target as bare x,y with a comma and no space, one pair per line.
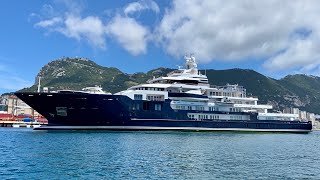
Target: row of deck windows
150,89
213,109
212,117
203,116
230,94
235,117
235,110
198,108
183,107
149,97
155,98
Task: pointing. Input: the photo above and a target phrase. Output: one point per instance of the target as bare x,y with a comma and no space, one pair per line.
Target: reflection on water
27,154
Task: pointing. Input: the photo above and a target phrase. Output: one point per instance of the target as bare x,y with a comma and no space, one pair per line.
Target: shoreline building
17,107
304,115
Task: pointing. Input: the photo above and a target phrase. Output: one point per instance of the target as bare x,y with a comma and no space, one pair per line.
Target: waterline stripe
164,128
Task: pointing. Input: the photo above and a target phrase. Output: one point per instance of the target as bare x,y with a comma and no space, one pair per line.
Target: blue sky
275,38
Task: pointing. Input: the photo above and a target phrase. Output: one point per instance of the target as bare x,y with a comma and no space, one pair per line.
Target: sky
272,37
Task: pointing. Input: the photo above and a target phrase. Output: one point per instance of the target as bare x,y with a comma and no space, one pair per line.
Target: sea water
29,154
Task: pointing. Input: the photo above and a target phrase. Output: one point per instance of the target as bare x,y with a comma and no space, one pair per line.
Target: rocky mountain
77,73
300,91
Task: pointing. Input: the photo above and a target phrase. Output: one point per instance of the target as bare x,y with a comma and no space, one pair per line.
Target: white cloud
71,24
129,33
72,6
90,28
140,6
300,53
47,10
284,34
49,22
238,30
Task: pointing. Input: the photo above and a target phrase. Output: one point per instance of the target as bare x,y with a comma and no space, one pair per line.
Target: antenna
39,80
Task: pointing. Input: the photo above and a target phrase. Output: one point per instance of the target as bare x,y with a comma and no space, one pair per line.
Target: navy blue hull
71,109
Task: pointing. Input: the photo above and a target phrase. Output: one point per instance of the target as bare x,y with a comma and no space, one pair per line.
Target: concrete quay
13,123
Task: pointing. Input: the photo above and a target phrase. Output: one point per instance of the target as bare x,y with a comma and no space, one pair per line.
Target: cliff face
300,91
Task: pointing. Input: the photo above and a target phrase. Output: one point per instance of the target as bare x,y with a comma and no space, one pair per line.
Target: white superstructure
89,90
199,95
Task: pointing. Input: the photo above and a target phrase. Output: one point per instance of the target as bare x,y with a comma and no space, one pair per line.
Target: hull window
145,106
157,107
61,111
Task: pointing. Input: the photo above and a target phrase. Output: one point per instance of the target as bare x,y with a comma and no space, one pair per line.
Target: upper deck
188,75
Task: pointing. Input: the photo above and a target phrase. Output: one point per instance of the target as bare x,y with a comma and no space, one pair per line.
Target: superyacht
183,100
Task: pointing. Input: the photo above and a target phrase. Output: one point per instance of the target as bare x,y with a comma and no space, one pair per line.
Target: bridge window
200,108
138,97
155,97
